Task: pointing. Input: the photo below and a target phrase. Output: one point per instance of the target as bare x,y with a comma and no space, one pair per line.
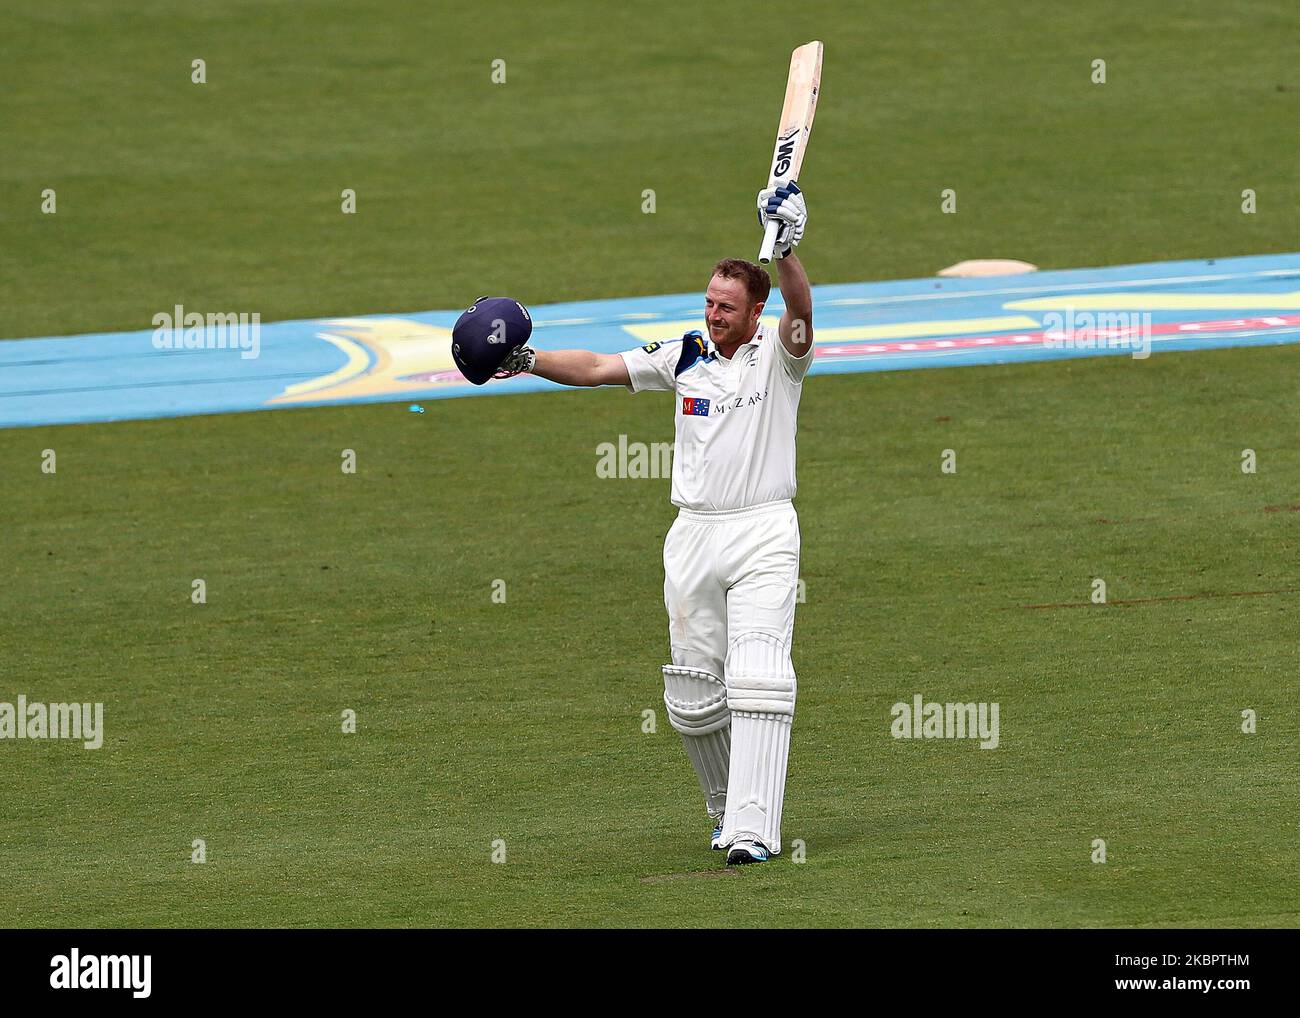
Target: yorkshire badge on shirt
736,418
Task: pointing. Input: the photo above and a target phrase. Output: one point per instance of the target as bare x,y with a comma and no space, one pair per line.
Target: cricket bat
801,89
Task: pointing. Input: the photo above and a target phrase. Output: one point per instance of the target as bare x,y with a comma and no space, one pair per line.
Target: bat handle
769,241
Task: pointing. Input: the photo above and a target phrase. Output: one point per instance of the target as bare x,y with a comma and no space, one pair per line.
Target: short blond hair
758,284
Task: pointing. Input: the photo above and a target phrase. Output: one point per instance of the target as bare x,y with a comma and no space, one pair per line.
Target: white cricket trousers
730,583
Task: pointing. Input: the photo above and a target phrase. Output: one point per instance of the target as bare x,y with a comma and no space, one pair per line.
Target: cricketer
731,558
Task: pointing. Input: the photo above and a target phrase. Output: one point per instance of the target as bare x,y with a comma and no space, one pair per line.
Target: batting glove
518,361
786,204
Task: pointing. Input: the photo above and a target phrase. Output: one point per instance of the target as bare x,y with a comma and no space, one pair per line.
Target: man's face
729,312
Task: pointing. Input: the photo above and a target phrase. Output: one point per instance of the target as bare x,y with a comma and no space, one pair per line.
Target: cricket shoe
715,841
746,851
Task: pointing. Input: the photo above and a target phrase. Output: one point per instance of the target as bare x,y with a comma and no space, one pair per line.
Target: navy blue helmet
486,334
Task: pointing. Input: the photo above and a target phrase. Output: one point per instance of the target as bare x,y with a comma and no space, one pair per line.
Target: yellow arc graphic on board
380,354
1159,302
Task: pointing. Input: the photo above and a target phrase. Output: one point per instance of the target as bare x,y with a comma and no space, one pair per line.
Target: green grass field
522,721
227,194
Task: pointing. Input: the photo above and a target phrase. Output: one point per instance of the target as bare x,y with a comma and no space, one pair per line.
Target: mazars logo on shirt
736,402
693,407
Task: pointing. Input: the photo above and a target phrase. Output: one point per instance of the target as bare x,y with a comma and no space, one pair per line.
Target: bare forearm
795,289
568,367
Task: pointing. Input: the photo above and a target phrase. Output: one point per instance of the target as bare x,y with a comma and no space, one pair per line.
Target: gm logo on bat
784,153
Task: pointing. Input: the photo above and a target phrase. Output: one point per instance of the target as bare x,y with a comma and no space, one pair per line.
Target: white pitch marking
1045,288
566,321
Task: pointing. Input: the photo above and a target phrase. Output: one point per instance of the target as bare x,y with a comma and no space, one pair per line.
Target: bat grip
769,241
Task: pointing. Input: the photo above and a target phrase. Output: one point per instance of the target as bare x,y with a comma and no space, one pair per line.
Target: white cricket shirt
736,419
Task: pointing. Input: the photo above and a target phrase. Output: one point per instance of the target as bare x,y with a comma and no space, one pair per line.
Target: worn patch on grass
669,878
1205,596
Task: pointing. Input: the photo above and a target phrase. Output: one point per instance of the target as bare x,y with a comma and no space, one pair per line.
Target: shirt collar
727,360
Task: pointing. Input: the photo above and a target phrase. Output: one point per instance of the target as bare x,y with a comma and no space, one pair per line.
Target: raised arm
796,324
580,367
786,204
